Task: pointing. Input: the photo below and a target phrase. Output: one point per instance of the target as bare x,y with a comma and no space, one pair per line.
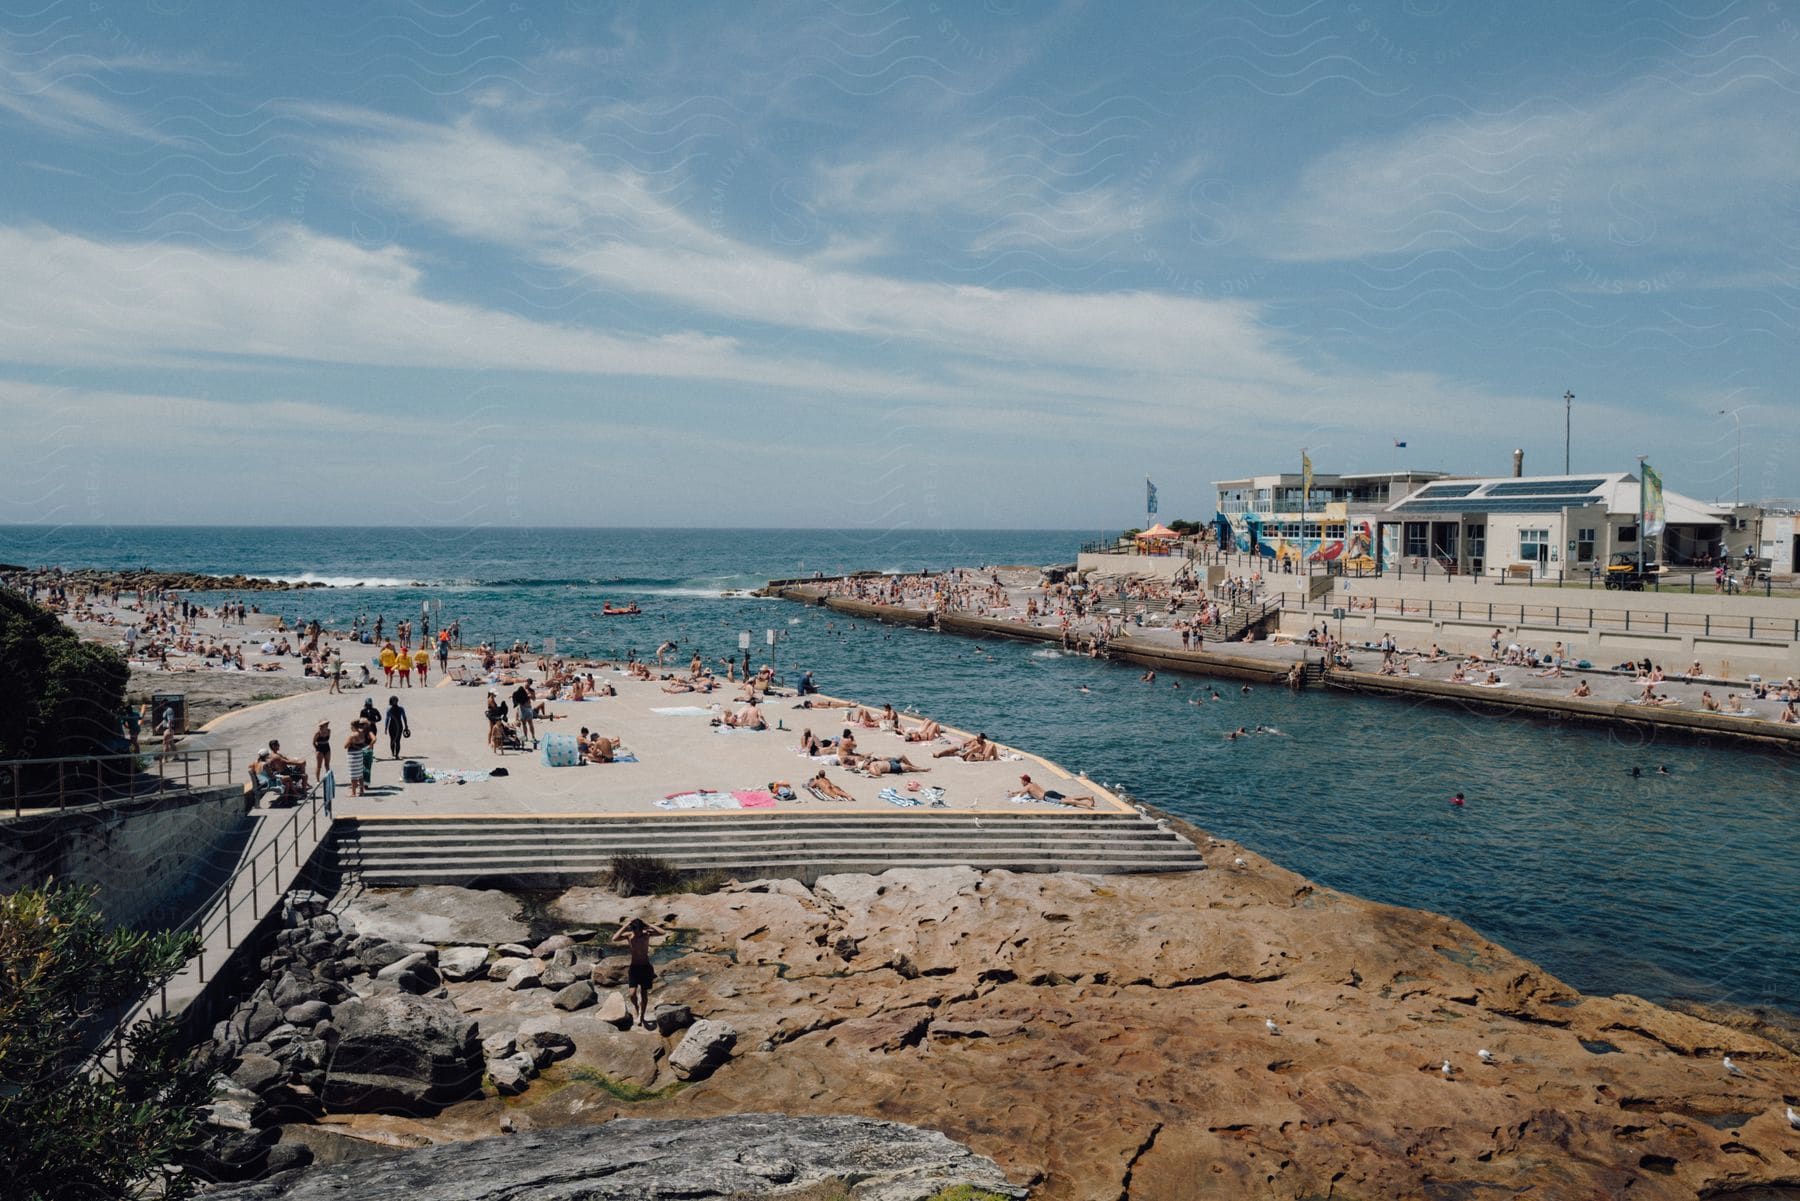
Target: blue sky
918,264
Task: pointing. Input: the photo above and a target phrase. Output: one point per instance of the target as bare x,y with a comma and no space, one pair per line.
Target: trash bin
174,704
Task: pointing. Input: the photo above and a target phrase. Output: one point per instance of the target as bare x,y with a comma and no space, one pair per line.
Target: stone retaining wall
148,856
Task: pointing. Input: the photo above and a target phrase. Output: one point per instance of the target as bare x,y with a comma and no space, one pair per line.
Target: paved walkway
677,752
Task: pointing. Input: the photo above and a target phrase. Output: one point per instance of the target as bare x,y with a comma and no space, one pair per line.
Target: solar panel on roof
1542,487
1449,490
1479,504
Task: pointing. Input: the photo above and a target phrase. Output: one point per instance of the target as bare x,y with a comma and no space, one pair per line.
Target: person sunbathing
865,719
1582,689
977,750
822,787
1038,792
601,749
876,765
929,732
678,686
1493,677
1707,702
781,790
747,718
1733,704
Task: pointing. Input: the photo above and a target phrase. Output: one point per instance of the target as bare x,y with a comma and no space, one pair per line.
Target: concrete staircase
549,851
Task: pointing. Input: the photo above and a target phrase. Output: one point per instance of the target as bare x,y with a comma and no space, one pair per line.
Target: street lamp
1568,408
1737,471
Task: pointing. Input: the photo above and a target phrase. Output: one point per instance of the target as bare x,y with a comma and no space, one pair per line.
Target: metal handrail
218,911
1706,625
137,764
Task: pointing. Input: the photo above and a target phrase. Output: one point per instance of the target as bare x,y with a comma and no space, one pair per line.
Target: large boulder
748,1157
705,1046
438,914
401,1053
462,963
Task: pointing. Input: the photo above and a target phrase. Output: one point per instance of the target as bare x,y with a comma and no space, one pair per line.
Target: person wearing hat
322,750
1038,792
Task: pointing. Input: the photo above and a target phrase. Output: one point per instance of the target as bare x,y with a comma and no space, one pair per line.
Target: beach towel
725,729
754,798
816,794
700,798
683,711
441,776
933,796
619,756
894,796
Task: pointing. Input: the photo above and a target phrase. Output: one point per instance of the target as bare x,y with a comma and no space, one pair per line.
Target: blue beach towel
894,796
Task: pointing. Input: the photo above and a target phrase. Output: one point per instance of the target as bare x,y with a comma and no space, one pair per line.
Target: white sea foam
346,581
1046,653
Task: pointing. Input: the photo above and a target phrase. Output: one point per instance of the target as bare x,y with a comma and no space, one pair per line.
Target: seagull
1274,1029
1239,862
1733,1068
1485,1055
1448,1071
1793,1118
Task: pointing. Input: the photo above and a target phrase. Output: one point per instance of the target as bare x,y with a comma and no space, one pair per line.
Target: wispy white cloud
72,300
1664,165
560,204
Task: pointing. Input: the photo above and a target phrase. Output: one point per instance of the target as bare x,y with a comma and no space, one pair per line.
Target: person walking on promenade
337,671
403,665
422,663
397,727
443,651
636,934
387,663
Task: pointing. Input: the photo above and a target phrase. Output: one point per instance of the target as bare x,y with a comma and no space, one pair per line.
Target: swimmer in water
1636,772
1663,770
1457,800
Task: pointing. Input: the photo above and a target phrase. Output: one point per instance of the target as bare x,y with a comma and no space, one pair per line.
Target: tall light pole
1568,408
1737,467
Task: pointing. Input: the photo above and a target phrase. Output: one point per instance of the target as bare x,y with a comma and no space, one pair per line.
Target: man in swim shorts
1038,792
636,933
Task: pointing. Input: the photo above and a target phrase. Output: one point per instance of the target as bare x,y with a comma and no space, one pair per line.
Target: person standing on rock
396,724
636,934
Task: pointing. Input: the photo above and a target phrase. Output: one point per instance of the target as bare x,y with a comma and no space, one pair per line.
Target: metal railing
234,909
1569,617
43,784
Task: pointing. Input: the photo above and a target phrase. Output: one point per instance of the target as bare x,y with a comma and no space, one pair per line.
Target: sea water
1678,886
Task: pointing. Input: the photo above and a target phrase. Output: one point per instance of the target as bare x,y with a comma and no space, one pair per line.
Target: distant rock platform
743,1157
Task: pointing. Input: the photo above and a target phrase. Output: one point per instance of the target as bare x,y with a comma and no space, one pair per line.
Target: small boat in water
630,610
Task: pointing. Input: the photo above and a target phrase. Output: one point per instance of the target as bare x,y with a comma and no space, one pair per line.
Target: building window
1584,546
1418,539
1335,532
1477,536
1628,533
1534,546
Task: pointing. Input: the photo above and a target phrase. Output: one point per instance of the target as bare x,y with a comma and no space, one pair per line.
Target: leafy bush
59,696
66,1133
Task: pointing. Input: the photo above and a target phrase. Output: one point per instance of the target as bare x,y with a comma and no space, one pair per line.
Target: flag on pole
1305,479
1149,496
1654,515
1399,444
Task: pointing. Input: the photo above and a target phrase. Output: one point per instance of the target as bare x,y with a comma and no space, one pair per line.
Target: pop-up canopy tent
1156,540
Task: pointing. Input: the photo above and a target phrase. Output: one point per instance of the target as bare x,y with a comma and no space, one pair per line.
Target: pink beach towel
759,798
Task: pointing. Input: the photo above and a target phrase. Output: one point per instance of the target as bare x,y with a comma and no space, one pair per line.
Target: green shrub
66,1134
645,875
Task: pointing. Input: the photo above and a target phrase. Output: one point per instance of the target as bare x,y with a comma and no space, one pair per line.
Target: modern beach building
1542,526
1336,522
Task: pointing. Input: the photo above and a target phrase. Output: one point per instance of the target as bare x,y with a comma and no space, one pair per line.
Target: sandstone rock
401,1053
578,995
544,1040
498,1046
608,973
257,1073
303,904
462,963
527,975
630,1057
551,945
705,1046
511,1073
442,916
614,1009
670,1018
307,1013
503,967
746,1157
381,955
558,977
415,964
514,950
261,1018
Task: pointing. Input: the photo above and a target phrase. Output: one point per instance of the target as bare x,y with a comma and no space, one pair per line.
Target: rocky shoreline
130,579
1215,1034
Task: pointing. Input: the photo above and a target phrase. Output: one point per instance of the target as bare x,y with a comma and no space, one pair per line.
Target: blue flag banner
1149,496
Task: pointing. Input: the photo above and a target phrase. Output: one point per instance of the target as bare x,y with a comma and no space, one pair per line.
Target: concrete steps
553,851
